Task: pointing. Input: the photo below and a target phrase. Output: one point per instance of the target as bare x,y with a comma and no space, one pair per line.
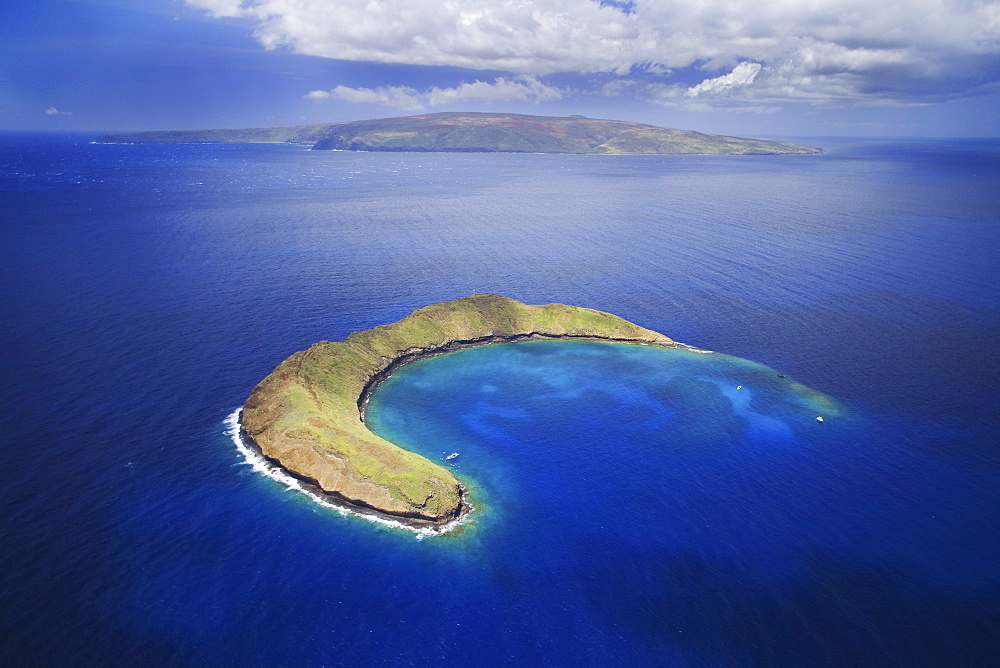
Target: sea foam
262,466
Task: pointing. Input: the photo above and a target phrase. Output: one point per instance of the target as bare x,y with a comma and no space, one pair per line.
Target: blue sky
769,68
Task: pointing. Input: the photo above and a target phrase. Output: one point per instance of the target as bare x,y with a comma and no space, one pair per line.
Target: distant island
479,132
307,416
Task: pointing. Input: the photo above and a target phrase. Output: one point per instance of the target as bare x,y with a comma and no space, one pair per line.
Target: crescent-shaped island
307,416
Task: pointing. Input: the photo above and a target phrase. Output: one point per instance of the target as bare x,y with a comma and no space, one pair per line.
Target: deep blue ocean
632,506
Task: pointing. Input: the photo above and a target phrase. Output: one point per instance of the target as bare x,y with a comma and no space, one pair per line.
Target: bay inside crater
580,433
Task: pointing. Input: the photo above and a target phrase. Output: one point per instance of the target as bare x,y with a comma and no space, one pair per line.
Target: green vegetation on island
307,416
480,132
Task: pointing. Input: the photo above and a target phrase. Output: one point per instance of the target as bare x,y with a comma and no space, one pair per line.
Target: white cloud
523,89
742,75
221,8
815,51
401,97
52,111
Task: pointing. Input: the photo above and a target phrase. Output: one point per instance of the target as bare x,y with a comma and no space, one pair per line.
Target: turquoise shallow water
579,412
572,437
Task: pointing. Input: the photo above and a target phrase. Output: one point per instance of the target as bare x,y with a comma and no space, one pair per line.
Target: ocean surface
633,506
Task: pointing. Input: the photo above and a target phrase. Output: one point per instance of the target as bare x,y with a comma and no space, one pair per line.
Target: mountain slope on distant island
479,132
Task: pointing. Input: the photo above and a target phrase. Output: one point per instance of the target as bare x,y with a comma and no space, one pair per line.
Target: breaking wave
262,466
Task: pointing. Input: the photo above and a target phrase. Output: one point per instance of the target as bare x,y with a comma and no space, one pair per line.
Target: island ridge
307,416
480,132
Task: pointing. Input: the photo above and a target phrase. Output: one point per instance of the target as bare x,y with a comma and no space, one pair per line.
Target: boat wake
262,466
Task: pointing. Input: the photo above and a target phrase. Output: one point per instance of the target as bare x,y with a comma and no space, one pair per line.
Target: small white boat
452,455
820,418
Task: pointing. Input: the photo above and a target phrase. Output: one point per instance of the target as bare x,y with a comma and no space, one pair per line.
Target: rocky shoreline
452,346
356,506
